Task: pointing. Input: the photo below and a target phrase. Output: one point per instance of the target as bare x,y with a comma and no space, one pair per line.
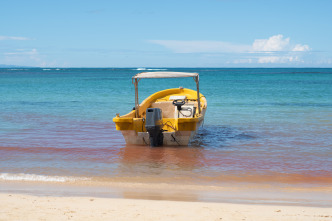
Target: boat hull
176,138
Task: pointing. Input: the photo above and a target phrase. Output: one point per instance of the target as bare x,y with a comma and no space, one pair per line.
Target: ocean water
261,126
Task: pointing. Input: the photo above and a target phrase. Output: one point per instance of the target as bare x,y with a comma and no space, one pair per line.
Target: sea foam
151,69
35,177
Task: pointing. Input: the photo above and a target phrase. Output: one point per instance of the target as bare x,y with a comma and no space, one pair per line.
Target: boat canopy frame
163,74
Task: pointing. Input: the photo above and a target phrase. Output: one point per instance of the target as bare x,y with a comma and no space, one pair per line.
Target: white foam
35,177
156,69
46,69
151,69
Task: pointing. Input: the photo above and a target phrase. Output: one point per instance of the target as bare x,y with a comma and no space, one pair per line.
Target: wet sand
247,193
27,207
118,200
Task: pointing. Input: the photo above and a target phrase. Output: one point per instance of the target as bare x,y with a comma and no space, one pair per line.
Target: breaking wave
35,177
151,69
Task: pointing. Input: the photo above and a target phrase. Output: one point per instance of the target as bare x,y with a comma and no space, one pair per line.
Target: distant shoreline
157,68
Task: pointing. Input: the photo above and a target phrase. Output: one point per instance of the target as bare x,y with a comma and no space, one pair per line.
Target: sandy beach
88,200
28,207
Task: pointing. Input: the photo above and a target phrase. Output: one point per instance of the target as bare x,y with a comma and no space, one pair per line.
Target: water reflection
161,160
211,153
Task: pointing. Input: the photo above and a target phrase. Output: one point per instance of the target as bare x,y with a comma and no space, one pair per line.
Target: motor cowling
153,125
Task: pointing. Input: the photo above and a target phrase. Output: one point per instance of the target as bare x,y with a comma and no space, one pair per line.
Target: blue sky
152,33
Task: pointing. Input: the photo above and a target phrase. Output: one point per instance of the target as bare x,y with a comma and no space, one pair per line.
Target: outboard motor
153,125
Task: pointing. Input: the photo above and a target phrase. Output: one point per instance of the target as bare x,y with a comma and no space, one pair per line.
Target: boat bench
168,109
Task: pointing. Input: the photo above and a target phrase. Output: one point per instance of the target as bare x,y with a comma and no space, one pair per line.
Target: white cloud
202,46
274,43
299,47
278,59
242,61
277,43
2,38
26,57
32,52
273,50
284,52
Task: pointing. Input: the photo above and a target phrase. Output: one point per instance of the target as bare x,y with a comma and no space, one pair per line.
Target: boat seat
167,108
170,111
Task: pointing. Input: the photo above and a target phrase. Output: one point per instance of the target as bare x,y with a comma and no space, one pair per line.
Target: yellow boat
167,118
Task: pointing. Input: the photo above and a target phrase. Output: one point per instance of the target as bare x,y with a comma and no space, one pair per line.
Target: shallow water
261,125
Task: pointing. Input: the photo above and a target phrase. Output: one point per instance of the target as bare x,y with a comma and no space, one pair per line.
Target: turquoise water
266,125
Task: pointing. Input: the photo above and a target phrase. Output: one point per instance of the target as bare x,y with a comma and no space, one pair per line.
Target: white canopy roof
165,74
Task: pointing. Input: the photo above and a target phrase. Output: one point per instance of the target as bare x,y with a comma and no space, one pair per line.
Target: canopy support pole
198,98
136,98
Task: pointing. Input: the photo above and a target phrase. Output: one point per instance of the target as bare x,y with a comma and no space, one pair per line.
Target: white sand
27,207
